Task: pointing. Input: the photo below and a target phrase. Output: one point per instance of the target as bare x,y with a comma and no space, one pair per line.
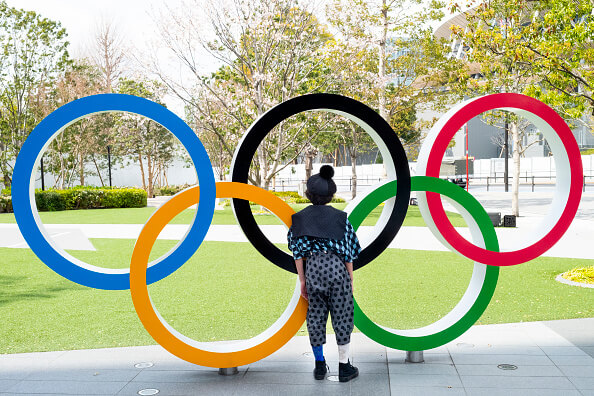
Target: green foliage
5,204
307,201
170,190
142,137
5,191
33,51
538,48
90,198
50,200
283,194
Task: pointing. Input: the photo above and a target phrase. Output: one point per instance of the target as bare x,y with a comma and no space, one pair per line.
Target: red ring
435,206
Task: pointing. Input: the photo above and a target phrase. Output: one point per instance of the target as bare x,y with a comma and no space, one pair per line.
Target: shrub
291,194
50,200
170,190
288,196
305,200
5,204
124,198
5,191
90,198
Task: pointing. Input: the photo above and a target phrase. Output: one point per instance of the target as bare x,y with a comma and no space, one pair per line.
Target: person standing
324,245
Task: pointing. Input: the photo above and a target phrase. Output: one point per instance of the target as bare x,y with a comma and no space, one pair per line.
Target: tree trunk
150,170
516,180
63,171
7,181
336,157
81,169
382,72
141,171
354,155
382,62
261,154
310,153
353,173
98,171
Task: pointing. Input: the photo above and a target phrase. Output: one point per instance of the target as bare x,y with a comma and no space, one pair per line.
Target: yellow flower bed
580,275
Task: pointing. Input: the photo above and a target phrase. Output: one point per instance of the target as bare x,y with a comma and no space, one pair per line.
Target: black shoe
320,370
346,372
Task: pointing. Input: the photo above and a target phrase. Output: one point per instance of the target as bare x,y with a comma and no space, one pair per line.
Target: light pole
42,175
467,179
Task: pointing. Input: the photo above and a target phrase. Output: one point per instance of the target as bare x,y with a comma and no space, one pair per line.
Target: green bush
291,194
170,190
306,201
5,204
5,191
90,198
288,196
50,201
124,198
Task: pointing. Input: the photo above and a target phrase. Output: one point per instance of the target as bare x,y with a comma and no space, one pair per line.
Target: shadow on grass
11,290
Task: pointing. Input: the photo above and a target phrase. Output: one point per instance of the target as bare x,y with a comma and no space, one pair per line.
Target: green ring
478,213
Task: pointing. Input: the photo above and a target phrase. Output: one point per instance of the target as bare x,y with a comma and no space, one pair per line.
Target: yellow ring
217,355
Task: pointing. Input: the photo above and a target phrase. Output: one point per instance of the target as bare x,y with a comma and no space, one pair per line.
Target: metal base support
414,356
228,371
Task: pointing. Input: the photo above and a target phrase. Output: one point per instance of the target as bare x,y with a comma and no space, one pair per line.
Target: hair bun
326,172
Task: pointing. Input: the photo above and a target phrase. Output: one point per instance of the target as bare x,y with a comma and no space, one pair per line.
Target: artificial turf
228,291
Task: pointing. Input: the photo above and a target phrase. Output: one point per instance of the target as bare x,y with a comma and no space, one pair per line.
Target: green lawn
141,215
228,291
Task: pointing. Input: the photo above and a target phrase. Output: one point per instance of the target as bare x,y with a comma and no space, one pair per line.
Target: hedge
291,197
5,204
170,190
83,198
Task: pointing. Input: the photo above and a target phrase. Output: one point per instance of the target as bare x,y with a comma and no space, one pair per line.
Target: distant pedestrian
324,245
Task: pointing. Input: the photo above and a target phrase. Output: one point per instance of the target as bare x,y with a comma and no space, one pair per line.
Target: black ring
337,104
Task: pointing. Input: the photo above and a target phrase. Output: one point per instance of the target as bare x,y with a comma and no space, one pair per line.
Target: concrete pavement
535,358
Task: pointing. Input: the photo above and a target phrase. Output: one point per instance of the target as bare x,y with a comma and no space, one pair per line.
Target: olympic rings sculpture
395,192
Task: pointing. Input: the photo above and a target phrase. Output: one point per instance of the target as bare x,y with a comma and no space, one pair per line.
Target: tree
498,35
356,70
83,140
408,63
562,36
143,137
33,51
269,50
109,54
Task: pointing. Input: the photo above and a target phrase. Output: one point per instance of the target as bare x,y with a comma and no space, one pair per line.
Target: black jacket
319,221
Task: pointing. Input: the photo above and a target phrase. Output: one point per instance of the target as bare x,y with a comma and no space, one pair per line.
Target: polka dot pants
330,291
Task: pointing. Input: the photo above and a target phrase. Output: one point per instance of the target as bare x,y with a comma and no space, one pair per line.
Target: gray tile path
548,363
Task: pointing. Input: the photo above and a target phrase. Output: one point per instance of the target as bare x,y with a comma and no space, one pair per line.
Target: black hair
318,199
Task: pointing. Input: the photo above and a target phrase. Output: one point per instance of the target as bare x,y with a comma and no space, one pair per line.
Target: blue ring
23,199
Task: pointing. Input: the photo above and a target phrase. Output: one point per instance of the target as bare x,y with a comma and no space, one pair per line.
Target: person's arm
301,273
349,267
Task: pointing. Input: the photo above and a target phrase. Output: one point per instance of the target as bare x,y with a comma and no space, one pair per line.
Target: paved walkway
545,359
574,244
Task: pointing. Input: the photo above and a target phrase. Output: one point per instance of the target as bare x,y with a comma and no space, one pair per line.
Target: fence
527,180
342,183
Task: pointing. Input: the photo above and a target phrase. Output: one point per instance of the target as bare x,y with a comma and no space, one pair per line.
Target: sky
132,18
81,18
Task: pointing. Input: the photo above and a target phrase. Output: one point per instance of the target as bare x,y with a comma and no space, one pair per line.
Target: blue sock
318,352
